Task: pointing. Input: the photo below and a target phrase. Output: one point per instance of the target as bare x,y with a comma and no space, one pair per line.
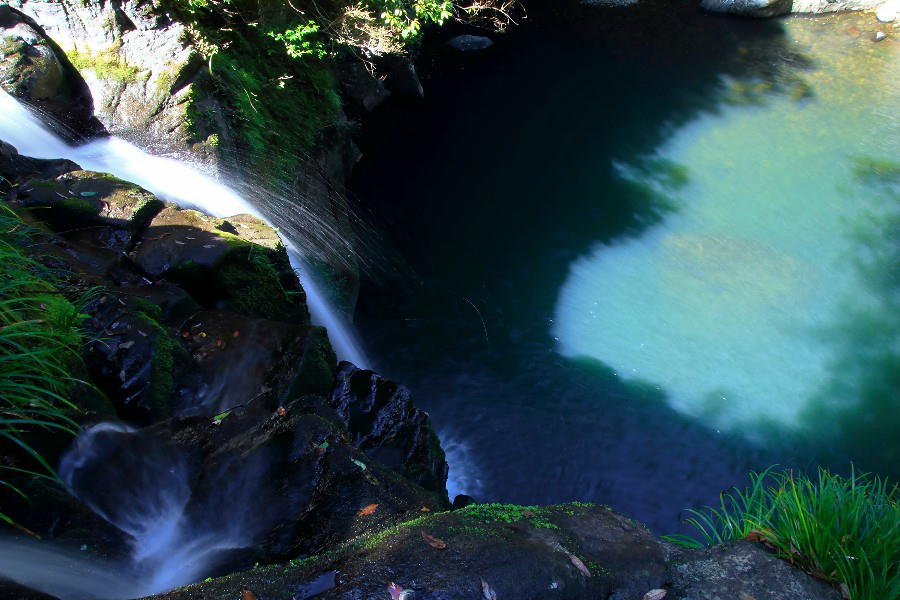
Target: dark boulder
36,70
386,425
275,484
14,167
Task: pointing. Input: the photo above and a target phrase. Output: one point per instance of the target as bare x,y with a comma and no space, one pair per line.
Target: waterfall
175,181
131,479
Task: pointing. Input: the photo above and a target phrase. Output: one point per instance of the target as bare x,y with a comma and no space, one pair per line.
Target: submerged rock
34,69
469,43
749,8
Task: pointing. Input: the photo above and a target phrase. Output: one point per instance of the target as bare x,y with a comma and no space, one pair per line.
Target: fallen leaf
579,565
657,594
424,509
371,479
434,542
236,333
359,464
246,594
281,411
368,510
487,591
527,513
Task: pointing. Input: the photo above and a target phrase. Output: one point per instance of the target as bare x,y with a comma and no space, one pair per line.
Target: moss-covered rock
568,551
86,198
236,263
34,69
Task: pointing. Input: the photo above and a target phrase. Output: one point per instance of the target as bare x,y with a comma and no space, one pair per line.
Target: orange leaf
368,510
424,509
434,542
282,411
246,594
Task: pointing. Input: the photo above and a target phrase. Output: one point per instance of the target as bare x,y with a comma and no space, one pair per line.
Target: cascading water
171,180
134,481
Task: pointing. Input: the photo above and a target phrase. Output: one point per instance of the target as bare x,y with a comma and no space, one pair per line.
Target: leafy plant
39,348
302,40
845,530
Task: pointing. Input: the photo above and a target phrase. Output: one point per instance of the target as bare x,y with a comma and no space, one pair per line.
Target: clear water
735,303
632,262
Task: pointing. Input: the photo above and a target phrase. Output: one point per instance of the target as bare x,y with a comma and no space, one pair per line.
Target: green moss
161,394
106,64
509,513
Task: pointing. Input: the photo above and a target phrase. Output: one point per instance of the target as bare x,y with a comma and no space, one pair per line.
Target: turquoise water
630,258
737,303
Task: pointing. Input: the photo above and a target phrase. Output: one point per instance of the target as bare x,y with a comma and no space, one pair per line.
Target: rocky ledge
495,552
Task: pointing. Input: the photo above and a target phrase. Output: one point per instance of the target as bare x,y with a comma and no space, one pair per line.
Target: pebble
879,35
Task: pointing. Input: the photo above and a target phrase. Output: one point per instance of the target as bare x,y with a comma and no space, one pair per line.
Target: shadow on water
519,160
859,407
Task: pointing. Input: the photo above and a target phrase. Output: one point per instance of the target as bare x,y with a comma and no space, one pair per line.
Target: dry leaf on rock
657,594
487,591
246,594
434,542
368,510
579,565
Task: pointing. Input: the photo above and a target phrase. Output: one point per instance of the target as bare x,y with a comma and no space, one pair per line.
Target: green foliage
39,348
406,18
843,529
303,40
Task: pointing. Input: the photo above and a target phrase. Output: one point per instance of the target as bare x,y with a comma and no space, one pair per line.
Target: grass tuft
39,348
845,530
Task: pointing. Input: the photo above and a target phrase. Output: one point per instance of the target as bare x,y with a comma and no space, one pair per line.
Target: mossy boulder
236,263
134,357
568,552
34,69
79,199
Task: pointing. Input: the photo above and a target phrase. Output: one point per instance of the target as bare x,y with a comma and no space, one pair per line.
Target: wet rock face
385,424
274,483
742,571
34,69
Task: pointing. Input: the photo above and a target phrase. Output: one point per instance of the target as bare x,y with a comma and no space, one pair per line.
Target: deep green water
630,263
